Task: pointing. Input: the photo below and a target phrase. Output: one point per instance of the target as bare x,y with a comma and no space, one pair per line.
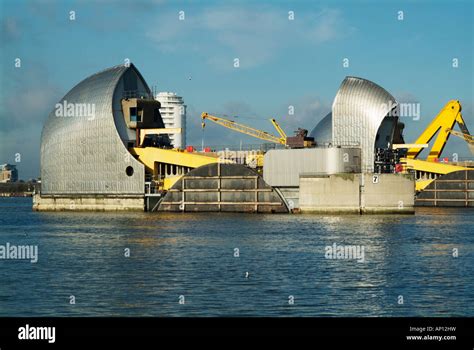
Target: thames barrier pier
106,147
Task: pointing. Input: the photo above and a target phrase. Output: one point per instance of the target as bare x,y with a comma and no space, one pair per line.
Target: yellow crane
466,137
442,124
244,129
279,130
428,170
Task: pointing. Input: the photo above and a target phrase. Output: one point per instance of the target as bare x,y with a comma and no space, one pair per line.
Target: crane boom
278,128
467,137
426,171
443,123
244,129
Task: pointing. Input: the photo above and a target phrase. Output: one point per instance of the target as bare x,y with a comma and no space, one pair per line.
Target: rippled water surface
192,255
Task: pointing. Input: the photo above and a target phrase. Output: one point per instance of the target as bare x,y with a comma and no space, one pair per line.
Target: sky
283,62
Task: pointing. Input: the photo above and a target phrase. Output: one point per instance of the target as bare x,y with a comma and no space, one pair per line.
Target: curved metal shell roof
357,112
84,154
322,132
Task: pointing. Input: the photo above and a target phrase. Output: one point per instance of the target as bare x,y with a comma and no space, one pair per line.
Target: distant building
173,113
8,173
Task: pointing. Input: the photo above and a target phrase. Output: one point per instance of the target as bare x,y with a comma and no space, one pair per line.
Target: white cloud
254,35
308,111
30,92
327,25
27,97
10,29
217,135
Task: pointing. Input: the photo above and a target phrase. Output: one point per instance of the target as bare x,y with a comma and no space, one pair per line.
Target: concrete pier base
357,193
88,203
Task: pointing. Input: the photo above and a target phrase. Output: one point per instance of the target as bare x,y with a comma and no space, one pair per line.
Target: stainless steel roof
322,132
84,155
357,112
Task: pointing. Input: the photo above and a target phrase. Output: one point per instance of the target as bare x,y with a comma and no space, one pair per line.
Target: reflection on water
82,254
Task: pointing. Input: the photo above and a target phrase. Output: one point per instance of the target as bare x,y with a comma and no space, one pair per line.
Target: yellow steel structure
278,129
244,129
175,162
468,138
429,170
443,123
149,155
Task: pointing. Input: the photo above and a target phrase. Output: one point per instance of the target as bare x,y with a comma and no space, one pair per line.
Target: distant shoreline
17,189
16,194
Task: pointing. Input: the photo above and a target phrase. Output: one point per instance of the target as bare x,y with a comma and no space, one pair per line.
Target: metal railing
137,94
152,187
269,146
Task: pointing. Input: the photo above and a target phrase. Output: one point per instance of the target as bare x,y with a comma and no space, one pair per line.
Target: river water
209,264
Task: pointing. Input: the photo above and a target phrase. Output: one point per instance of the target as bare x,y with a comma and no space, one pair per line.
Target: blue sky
282,62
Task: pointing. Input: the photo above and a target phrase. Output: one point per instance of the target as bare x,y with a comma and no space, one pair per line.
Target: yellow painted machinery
152,147
254,160
468,138
430,169
300,140
247,130
442,125
168,165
